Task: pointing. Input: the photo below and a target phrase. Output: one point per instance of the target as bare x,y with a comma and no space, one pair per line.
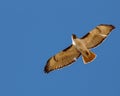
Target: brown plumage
63,58
79,47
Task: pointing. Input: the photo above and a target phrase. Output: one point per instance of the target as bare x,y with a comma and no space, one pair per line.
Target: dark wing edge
47,70
48,66
113,27
88,34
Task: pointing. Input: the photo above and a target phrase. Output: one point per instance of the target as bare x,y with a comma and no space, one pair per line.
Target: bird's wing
63,58
97,35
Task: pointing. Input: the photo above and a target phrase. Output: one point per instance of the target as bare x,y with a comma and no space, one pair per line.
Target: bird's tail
90,57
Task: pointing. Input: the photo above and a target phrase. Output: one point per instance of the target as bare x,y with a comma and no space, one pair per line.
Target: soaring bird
79,47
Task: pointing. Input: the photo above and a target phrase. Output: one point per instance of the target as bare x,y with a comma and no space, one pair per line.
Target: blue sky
34,30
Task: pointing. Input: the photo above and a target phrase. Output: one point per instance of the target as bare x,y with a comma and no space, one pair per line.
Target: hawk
79,47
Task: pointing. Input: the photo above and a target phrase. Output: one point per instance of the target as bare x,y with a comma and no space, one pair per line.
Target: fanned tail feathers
90,57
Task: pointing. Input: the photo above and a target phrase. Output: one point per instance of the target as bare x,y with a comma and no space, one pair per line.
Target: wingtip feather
46,70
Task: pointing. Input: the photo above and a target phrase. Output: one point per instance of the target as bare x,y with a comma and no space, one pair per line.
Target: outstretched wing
97,35
63,58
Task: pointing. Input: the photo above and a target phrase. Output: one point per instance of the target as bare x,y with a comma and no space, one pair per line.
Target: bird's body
87,55
80,46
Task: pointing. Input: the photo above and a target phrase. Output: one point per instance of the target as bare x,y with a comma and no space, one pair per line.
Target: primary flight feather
80,46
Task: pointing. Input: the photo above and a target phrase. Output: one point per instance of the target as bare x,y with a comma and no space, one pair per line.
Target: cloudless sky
31,31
